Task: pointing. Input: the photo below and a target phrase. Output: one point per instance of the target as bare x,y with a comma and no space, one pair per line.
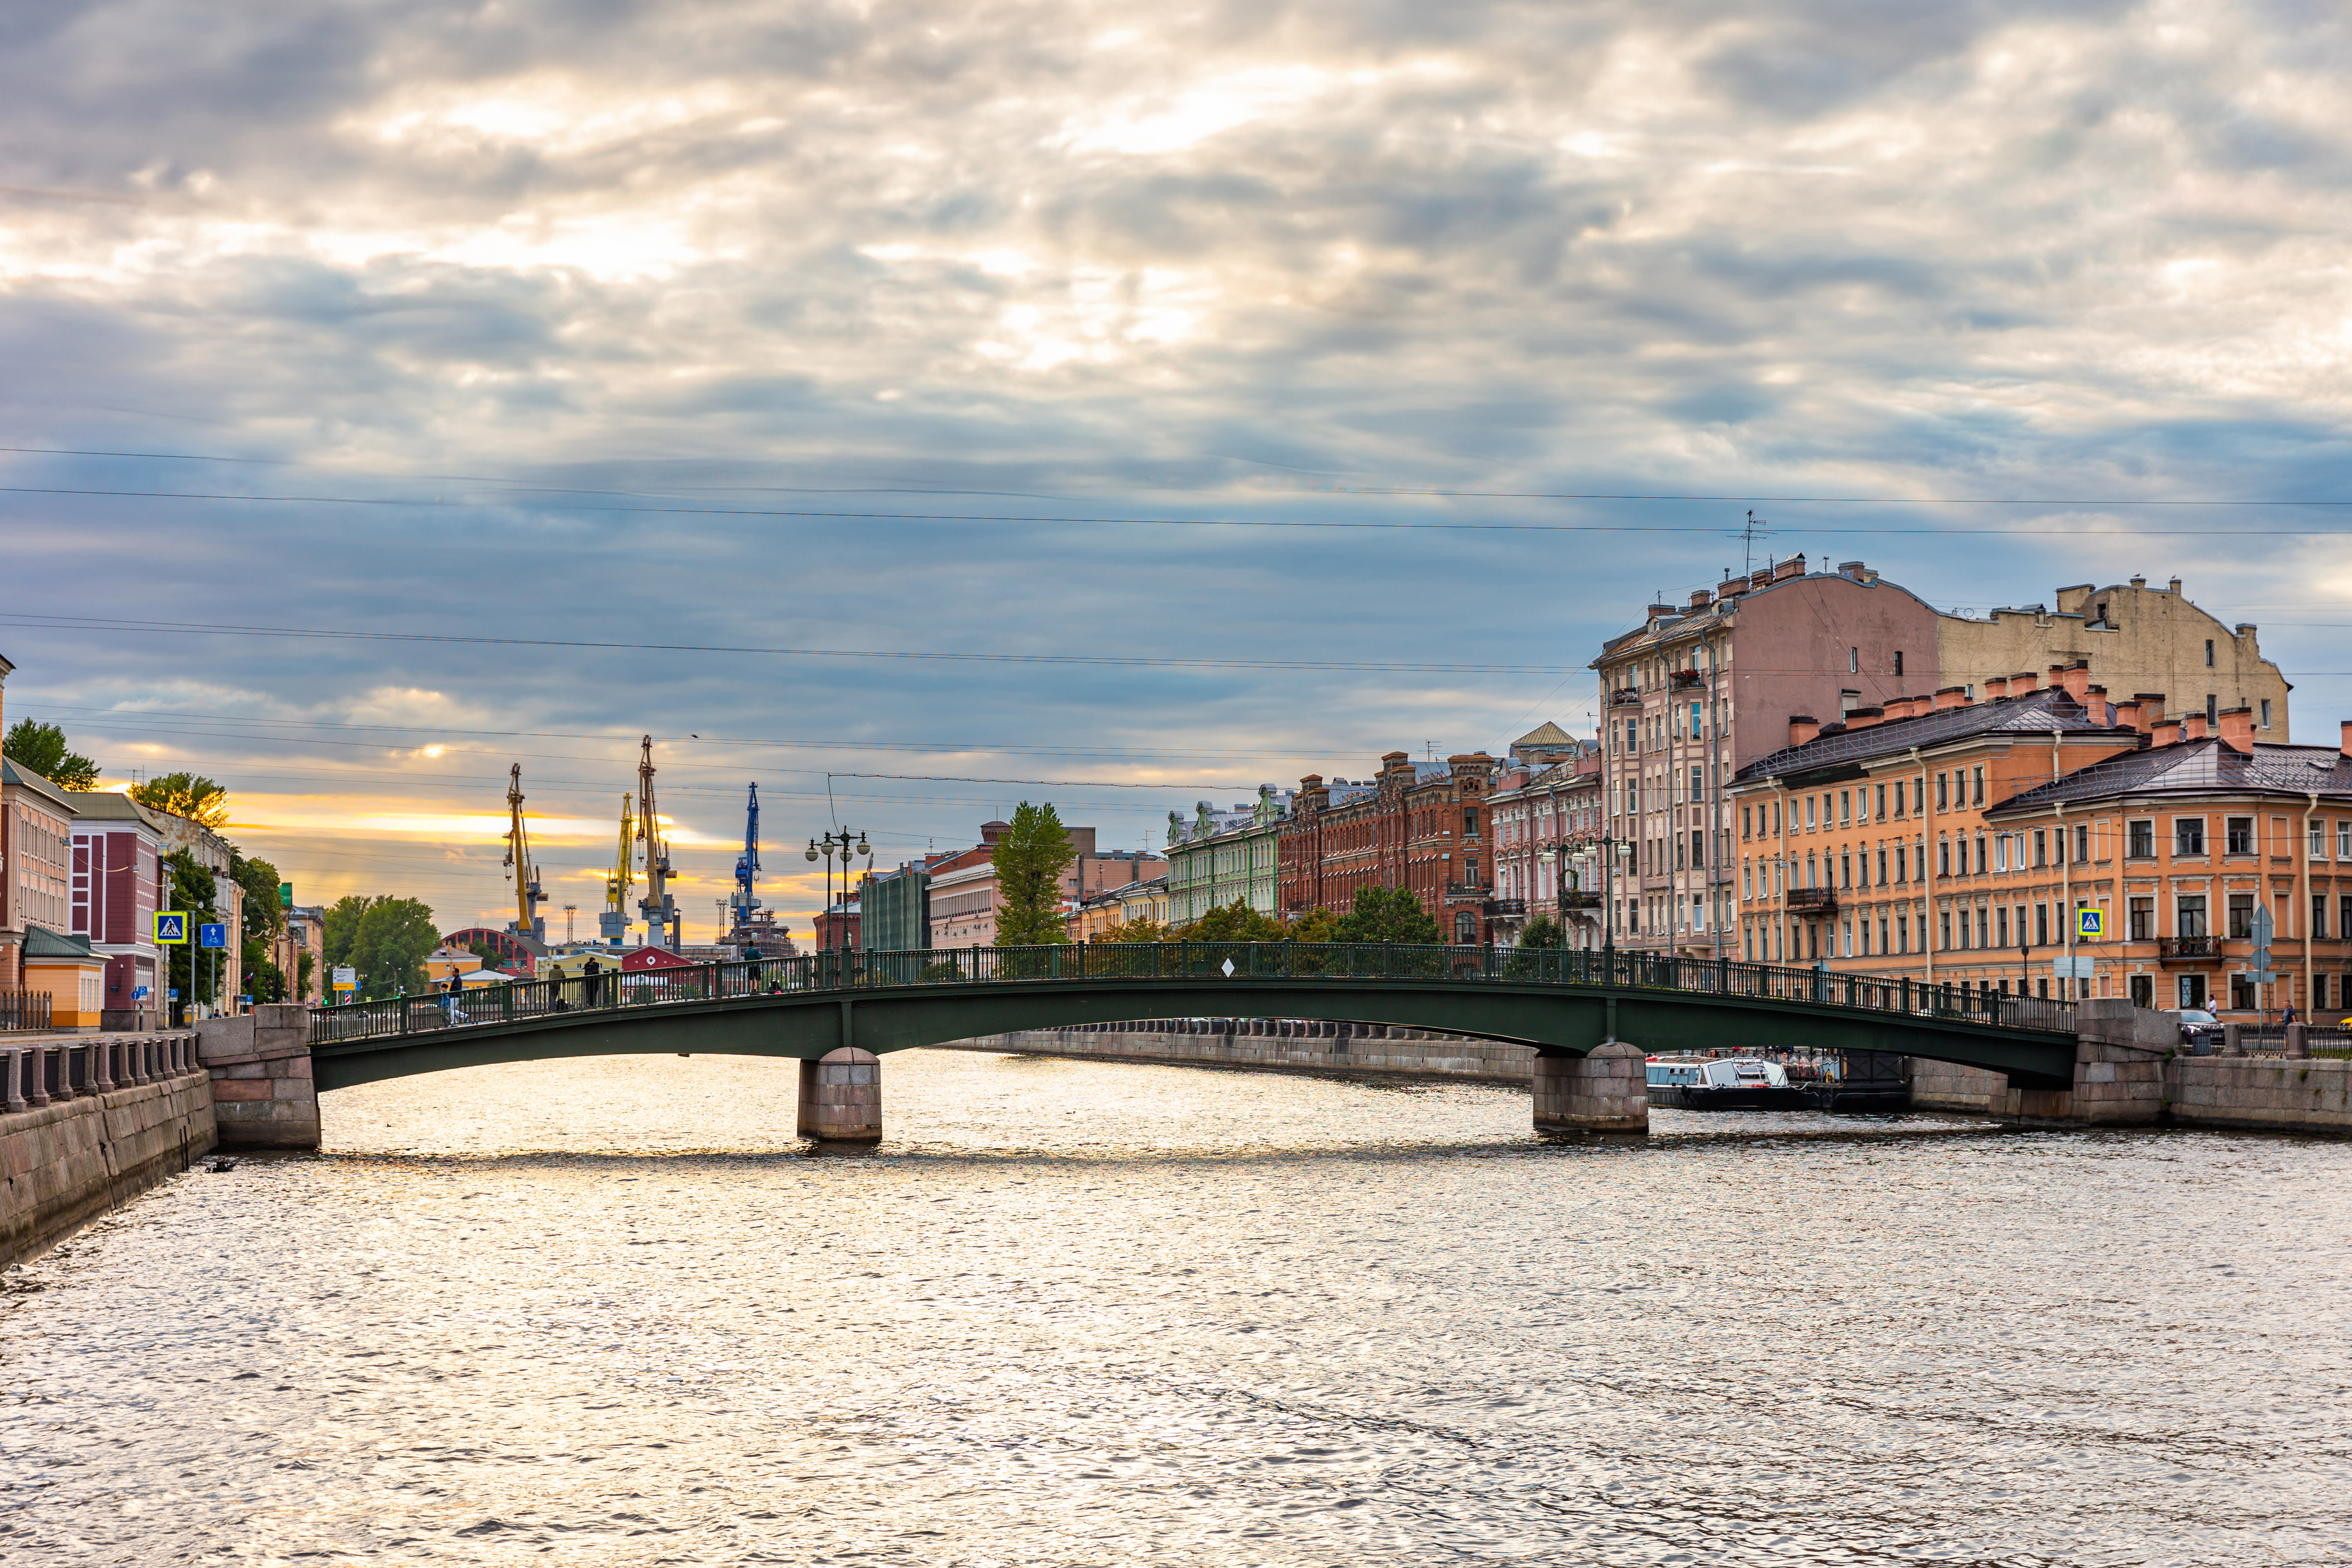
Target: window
2143,990
1943,795
2143,920
2188,836
1469,822
2189,916
1898,661
1944,930
1918,796
2140,839
2192,992
2208,653
1470,869
1899,864
2000,857
1698,851
2319,917
1976,787
1984,926
1808,814
1465,928
2041,846
2319,839
2241,915
1854,661
2000,924
1943,858
2343,915
2213,712
2266,724
1743,822
1845,809
2042,925
2021,925
2341,827
1698,785
2240,830
2081,844
1902,922
2343,840
1882,867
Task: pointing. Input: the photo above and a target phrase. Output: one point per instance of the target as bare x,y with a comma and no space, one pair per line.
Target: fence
23,1009
1210,962
35,1073
2270,1040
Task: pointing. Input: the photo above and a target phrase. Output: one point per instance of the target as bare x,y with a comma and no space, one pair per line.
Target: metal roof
2199,767
2047,711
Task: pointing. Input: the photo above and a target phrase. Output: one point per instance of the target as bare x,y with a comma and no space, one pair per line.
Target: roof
1546,735
1681,620
42,942
25,778
2201,767
108,805
2047,711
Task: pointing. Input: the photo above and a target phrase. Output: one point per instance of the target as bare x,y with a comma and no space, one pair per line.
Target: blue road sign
212,936
175,993
139,994
171,926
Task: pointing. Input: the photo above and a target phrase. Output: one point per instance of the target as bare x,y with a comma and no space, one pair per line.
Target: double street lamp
1608,855
833,847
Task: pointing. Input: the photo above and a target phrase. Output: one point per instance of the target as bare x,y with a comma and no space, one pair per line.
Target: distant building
520,954
1417,825
305,935
964,900
118,885
217,856
895,908
1216,857
837,926
1544,818
1127,904
35,868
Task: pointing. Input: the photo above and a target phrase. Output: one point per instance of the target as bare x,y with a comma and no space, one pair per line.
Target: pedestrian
2289,1017
594,971
751,956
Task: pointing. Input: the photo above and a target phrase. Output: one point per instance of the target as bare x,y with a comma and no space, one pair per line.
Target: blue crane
747,865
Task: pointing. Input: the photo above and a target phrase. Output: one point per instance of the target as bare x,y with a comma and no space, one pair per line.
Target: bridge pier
841,1097
1607,1090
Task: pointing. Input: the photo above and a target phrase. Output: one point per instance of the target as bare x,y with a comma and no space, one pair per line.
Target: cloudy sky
612,369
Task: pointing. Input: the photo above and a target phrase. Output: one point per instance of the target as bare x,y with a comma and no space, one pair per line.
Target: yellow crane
660,910
614,924
528,895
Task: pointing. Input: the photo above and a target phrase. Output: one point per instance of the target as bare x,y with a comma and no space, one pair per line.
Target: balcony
2188,948
1506,907
1625,697
1812,901
1684,679
1576,900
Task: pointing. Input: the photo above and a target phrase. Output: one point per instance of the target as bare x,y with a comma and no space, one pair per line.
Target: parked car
2199,1027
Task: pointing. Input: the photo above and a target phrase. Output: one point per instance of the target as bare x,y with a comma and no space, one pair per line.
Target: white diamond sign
1229,969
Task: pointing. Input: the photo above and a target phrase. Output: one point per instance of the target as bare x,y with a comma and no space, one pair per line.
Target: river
608,1313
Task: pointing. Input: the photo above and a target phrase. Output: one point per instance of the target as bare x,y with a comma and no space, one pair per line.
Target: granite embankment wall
1278,1044
2267,1094
70,1161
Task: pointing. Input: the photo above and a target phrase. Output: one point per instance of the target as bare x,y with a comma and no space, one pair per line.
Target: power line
830,514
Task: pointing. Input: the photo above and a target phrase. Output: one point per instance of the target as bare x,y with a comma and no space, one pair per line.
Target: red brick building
1419,826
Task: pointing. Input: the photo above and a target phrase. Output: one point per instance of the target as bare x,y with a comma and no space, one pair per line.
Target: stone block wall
263,1094
1279,1044
64,1163
1947,1086
2274,1093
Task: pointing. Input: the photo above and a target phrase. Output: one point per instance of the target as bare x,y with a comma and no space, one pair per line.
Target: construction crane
613,925
663,923
528,895
747,866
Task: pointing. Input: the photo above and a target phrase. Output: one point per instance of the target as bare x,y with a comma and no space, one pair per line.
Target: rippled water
607,1312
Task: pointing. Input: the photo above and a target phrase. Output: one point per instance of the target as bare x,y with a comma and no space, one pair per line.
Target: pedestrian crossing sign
2090,924
171,927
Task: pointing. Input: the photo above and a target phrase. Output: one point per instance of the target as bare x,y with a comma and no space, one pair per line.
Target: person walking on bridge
594,971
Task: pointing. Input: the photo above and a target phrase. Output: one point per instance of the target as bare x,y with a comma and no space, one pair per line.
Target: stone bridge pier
263,1094
1606,1091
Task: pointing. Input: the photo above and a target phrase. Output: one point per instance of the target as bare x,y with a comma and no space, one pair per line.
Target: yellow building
73,975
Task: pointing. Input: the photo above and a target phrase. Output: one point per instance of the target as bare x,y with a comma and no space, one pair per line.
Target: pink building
1542,816
117,886
964,885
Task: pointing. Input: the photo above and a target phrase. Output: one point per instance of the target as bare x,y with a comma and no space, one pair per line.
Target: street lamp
833,847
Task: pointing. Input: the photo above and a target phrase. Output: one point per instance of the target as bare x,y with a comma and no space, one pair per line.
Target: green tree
1388,914
306,970
263,921
1235,922
339,939
390,945
1133,932
1542,931
1315,926
1030,860
190,796
42,748
190,966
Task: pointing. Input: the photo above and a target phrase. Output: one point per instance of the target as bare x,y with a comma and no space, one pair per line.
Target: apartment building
1215,857
1543,817
116,888
1416,826
963,891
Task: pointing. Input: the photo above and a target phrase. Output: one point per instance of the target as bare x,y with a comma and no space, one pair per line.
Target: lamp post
837,846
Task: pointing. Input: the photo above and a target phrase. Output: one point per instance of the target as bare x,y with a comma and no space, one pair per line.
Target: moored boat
1723,1083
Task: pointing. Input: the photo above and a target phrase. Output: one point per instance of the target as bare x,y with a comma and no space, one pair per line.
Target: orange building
1966,843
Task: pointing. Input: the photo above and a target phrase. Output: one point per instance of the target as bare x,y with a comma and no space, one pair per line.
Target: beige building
2136,639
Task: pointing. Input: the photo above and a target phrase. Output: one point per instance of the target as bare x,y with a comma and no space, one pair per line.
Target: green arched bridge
1566,1003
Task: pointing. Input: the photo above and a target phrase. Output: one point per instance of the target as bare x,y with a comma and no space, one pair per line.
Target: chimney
2175,587
2138,582
2151,708
2344,729
1863,718
2193,727
1657,610
2101,713
1996,688
1731,590
1760,578
1794,567
2023,681
2075,677
1700,599
1951,697
1802,727
2128,715
1857,572
2164,733
2238,730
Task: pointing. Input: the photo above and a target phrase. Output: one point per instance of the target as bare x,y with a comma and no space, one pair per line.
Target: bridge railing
1210,963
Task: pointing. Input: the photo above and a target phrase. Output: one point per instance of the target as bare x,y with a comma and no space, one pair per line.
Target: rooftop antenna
1755,527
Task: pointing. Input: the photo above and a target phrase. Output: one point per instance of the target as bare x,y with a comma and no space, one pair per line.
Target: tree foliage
43,749
193,892
384,937
1235,922
1030,860
1315,925
1388,914
190,796
1135,931
1542,931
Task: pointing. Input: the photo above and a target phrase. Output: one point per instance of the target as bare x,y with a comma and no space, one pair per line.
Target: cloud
551,312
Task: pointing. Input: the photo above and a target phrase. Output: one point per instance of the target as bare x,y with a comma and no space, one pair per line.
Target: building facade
1416,826
896,907
1217,858
305,936
964,898
117,886
36,866
1545,818
2130,638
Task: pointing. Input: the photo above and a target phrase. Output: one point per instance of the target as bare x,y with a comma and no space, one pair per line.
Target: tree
1133,932
389,947
190,966
340,940
190,796
1388,914
42,748
1235,922
1317,925
1542,931
1030,860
